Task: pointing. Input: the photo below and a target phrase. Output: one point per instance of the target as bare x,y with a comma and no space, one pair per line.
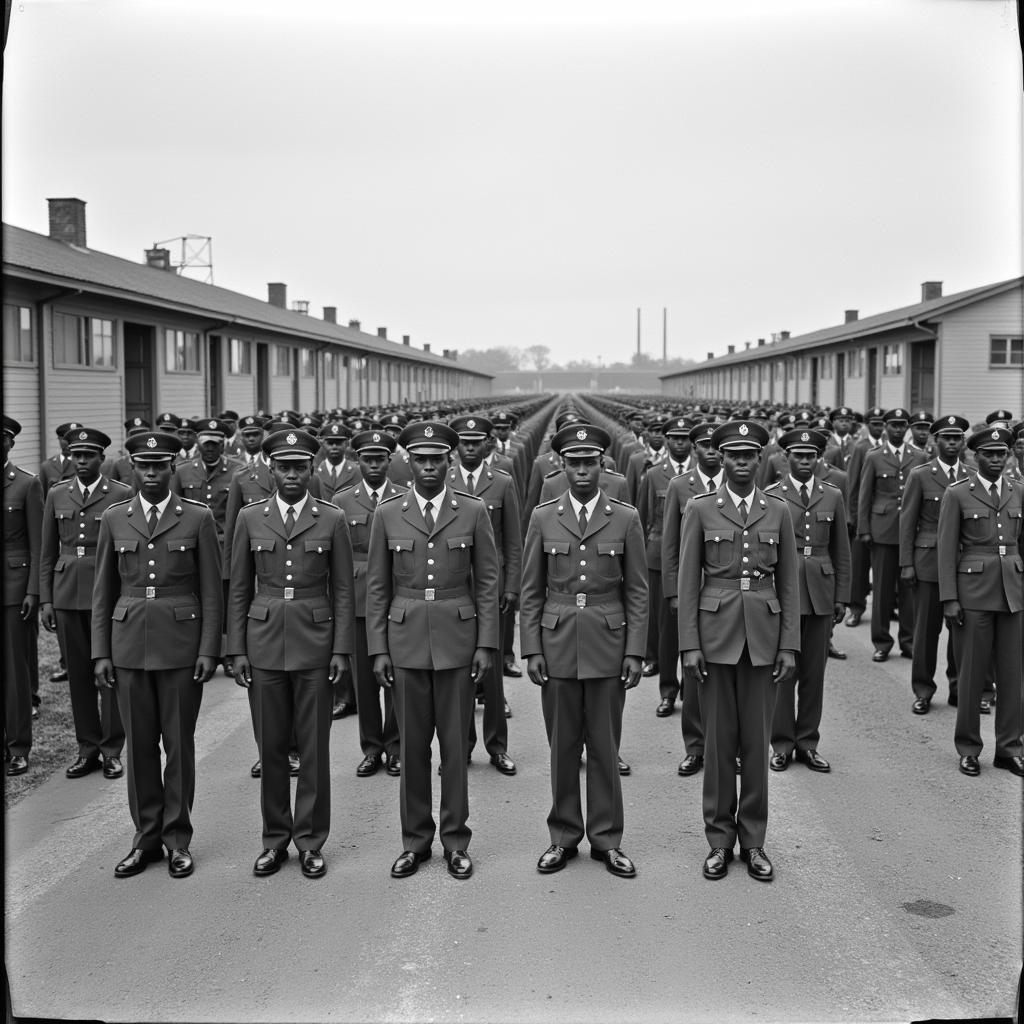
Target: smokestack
277,294
406,340
760,342
382,332
711,355
354,324
426,348
851,316
929,289
67,221
784,335
331,314
732,349
159,259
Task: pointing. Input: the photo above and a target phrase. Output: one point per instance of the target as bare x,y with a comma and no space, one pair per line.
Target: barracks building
962,353
97,338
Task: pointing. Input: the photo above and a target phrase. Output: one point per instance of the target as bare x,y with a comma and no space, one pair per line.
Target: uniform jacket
23,517
282,633
457,557
919,517
548,462
606,568
718,619
53,470
651,506
557,483
854,467
168,630
191,480
67,565
829,474
123,472
882,479
973,530
358,510
822,544
348,476
639,463
399,470
840,453
680,490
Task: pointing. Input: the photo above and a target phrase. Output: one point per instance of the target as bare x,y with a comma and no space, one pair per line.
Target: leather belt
432,593
764,583
810,550
78,552
988,549
585,600
154,592
290,593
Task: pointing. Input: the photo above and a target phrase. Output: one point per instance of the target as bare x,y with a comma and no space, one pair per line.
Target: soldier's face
374,467
501,432
842,425
894,431
949,446
678,447
186,437
471,452
740,464
291,477
87,465
991,462
584,474
428,472
709,459
876,428
335,448
656,439
211,450
920,432
154,479
1018,450
251,441
801,465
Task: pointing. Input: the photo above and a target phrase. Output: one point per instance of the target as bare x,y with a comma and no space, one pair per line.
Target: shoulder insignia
777,497
703,494
392,497
544,504
466,494
117,484
192,501
503,472
957,483
118,504
618,501
554,472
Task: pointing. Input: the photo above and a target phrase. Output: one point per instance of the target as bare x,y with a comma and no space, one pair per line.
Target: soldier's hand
103,670
47,618
339,666
838,614
673,603
509,602
785,666
953,613
693,666
908,575
28,606
205,667
383,670
630,675
243,670
482,661
537,669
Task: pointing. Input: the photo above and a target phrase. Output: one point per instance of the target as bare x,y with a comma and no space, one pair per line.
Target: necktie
428,516
711,484
469,483
583,520
952,474
373,498
803,495
289,521
993,489
743,509
153,517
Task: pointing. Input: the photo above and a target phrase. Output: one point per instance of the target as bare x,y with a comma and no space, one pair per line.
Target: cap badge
213,424
471,424
428,432
83,436
376,437
995,435
151,443
137,422
292,439
805,436
952,420
581,435
744,429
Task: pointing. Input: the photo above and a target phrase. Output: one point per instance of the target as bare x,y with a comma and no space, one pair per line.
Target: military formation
374,563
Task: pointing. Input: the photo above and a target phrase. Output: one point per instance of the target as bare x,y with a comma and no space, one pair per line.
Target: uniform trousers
294,707
429,700
990,640
98,727
667,638
580,712
798,702
160,705
927,630
886,583
495,723
860,565
508,636
690,719
736,703
17,685
654,622
377,734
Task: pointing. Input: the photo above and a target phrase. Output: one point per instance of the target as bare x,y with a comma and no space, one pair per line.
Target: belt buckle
1002,549
150,593
744,584
289,593
581,600
428,594
807,552
80,551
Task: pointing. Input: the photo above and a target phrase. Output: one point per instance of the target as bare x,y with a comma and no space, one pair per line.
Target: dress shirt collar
736,499
716,480
299,505
435,503
590,506
475,475
160,508
798,484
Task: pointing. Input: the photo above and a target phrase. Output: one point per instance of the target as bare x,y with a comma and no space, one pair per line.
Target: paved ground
897,896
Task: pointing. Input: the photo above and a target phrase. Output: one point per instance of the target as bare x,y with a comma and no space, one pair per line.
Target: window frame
1010,342
171,355
239,357
18,332
86,342
892,360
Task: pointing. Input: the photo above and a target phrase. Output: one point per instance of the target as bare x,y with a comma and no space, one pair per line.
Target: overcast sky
476,174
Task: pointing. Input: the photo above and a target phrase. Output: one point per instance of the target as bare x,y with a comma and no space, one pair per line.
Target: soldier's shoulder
14,470
959,483
391,498
193,503
771,488
554,472
62,485
122,504
770,493
545,504
500,473
323,503
621,503
466,494
703,494
615,473
828,483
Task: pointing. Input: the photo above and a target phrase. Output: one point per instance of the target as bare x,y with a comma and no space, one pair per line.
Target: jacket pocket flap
183,544
400,544
120,613
549,620
707,603
773,605
323,615
59,567
924,542
824,517
129,544
616,620
467,611
609,548
718,535
261,543
259,611
460,542
186,612
971,565
976,514
396,614
61,513
556,547
356,519
768,537
319,546
880,507
17,562
827,569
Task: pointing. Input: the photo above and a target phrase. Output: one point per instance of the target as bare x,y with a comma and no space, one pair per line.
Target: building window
182,348
825,366
330,366
855,363
240,357
308,361
1005,352
83,341
892,360
803,367
19,346
282,361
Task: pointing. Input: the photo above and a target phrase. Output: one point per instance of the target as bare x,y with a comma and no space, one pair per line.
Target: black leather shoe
60,676
650,668
554,858
17,765
922,706
511,669
1013,764
508,710
408,863
952,700
269,862
616,862
112,768
83,766
813,760
834,652
136,862
504,764
394,767
665,708
907,652
312,863
716,864
880,656
758,864
459,864
985,707
969,765
624,768
257,769
691,764
853,619
369,765
293,763
343,709
181,864
779,762
739,765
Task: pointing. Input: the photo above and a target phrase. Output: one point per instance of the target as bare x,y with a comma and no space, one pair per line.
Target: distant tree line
538,358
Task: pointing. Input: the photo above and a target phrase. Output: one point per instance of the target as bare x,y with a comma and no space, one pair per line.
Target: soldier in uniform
583,627
981,586
919,567
739,631
823,548
156,622
207,478
470,475
23,514
336,471
60,466
883,478
432,628
860,552
290,634
67,574
378,735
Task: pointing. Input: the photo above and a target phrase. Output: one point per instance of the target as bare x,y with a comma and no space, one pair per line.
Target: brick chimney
406,340
331,314
426,348
760,342
277,294
382,332
354,324
851,316
732,349
929,289
783,335
67,221
711,355
160,259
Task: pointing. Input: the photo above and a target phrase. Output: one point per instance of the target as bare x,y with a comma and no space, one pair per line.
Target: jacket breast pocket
970,566
769,542
262,549
559,563
975,525
460,553
609,560
402,560
718,548
318,554
181,552
358,529
127,549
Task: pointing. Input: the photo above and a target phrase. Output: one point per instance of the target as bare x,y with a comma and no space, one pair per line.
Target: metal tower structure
196,259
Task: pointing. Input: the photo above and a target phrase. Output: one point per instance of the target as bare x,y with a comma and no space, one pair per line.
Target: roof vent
382,332
300,306
159,259
354,324
406,340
